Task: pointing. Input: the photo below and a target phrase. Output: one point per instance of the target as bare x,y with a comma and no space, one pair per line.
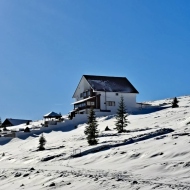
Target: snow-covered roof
52,114
15,121
110,84
83,100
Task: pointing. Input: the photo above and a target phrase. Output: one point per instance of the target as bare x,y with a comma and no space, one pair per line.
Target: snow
154,153
109,86
17,121
51,114
83,100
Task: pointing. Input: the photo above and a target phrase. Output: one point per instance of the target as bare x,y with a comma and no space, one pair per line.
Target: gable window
84,94
88,93
110,103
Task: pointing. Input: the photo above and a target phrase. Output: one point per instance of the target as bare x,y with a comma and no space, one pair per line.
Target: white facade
103,101
129,99
82,87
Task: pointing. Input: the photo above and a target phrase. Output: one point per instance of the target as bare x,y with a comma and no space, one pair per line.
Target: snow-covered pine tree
121,116
175,103
91,130
42,142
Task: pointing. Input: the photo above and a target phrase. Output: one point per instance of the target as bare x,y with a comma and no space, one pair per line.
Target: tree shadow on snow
149,110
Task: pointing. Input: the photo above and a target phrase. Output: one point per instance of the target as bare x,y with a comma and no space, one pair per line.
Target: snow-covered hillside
154,153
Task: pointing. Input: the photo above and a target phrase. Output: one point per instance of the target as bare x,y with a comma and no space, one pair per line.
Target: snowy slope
146,157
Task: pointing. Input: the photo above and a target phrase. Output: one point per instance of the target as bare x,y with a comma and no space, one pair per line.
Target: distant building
103,93
12,122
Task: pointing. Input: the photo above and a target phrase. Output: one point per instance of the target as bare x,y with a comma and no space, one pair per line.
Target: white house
104,94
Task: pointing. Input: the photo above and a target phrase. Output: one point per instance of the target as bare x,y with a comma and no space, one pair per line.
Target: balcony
87,103
87,93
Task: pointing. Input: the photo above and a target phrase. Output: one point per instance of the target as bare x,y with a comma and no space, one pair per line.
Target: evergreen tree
42,142
175,103
91,129
121,116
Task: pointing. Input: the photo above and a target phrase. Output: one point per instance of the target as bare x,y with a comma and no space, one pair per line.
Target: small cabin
13,122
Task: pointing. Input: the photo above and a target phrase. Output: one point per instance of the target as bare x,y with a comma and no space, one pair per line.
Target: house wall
129,99
83,86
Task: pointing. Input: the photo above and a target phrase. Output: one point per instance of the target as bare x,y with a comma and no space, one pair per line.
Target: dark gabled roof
110,84
15,121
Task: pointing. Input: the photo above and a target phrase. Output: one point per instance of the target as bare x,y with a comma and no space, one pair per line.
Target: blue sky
46,46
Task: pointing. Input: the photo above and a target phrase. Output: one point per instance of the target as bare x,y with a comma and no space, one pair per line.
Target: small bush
107,128
27,129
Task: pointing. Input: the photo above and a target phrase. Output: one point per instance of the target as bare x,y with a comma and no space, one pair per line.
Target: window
88,93
110,103
84,94
90,103
80,105
116,94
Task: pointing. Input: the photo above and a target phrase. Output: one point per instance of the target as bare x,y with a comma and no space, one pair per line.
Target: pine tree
175,103
91,130
42,142
121,116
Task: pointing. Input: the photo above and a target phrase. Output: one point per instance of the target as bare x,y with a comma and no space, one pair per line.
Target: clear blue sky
46,46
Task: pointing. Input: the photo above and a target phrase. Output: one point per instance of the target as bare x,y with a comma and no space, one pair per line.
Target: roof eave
79,84
77,87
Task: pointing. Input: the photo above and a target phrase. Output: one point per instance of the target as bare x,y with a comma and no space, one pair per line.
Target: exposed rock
25,175
52,184
18,174
187,164
31,169
134,182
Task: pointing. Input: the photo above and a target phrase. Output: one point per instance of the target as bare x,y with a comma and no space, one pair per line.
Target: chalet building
13,122
103,93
